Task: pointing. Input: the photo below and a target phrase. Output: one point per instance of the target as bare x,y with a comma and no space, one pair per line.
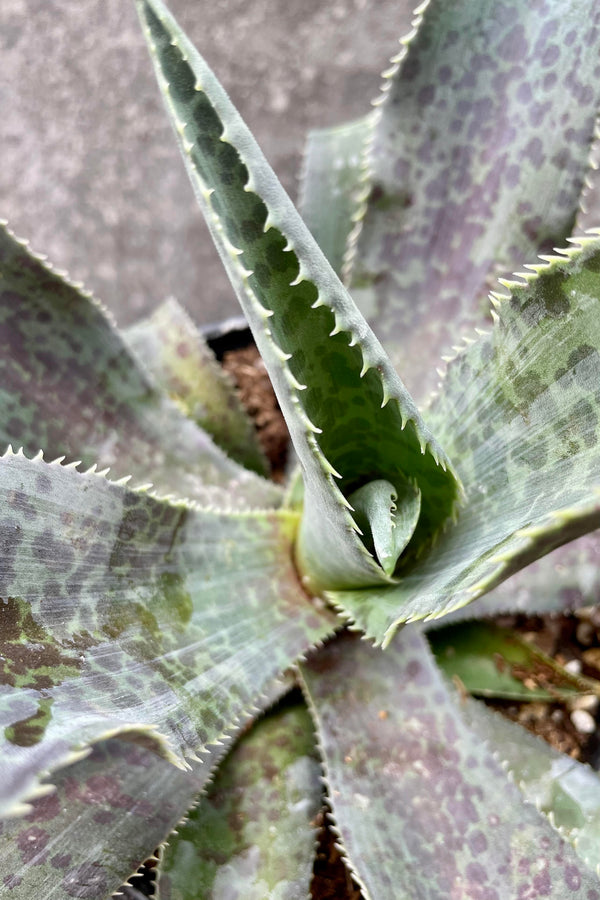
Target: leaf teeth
366,180
62,274
326,782
245,249
293,381
589,192
283,357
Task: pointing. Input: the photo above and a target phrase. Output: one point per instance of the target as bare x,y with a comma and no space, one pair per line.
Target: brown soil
256,393
573,641
331,879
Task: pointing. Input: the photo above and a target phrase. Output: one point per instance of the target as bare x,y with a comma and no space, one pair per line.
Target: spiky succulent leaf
253,834
560,787
122,613
104,816
333,183
566,579
185,367
478,161
518,410
349,415
78,840
82,393
589,204
498,662
422,807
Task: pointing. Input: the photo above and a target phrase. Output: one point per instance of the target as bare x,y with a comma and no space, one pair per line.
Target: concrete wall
90,172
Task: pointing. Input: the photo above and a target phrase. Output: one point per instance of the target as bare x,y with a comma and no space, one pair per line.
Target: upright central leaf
349,415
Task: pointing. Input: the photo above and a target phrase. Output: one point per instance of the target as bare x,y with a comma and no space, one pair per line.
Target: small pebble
584,612
573,667
588,702
583,722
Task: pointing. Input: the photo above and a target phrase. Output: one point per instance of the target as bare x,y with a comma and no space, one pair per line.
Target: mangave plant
144,630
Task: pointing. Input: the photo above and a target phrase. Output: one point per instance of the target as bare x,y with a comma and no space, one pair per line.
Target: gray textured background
91,174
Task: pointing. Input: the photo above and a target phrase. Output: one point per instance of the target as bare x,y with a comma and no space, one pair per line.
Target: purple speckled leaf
423,808
122,613
69,385
566,791
478,161
106,815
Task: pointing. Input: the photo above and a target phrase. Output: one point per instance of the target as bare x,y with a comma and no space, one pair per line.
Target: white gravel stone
584,722
573,667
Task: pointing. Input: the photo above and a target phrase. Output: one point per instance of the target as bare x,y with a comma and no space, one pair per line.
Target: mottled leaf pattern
477,163
519,413
78,841
422,807
252,837
566,579
332,185
185,367
562,788
121,613
83,395
347,411
498,662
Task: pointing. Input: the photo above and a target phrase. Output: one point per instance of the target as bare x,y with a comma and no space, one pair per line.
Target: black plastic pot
230,334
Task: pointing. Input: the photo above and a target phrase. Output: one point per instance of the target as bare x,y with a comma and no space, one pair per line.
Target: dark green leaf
348,414
498,662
